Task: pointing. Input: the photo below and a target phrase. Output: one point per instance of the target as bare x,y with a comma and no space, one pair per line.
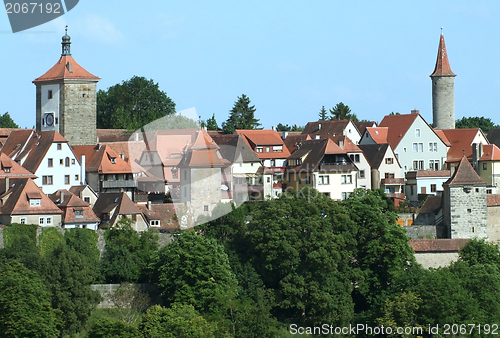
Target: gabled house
363,125
113,206
464,142
106,171
489,167
25,203
10,169
322,165
76,212
47,155
85,193
385,169
374,135
415,143
160,215
242,177
358,158
327,129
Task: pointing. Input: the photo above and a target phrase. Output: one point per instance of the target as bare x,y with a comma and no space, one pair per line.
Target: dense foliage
7,122
132,104
482,122
300,259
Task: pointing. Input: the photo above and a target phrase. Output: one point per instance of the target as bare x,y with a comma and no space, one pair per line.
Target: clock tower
66,99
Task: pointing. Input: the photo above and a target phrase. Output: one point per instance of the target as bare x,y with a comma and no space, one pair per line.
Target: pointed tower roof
465,175
66,68
442,64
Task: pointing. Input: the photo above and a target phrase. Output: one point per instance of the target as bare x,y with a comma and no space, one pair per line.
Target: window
205,208
72,161
277,148
258,149
411,189
59,146
345,195
308,179
66,161
323,179
485,166
346,179
79,213
415,147
49,94
433,146
23,220
47,180
361,174
113,160
175,174
61,161
154,223
50,162
49,220
354,158
434,164
415,165
389,175
433,188
389,160
6,169
420,165
300,179
41,221
267,149
420,147
268,179
86,199
77,177
417,132
66,179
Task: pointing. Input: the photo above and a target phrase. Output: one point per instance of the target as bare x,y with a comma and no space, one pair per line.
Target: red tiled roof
348,146
442,136
266,137
99,159
14,169
363,125
66,69
460,140
490,153
18,202
438,245
165,213
465,175
442,67
398,126
69,203
203,152
326,128
378,134
433,173
493,200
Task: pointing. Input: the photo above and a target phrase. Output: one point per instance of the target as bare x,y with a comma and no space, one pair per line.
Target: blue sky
290,57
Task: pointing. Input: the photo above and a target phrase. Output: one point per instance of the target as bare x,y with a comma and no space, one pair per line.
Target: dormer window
78,213
6,169
113,160
35,202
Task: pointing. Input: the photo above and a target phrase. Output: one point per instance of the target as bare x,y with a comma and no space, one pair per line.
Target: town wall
435,259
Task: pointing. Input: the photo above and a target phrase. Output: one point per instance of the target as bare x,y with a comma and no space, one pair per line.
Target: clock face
49,120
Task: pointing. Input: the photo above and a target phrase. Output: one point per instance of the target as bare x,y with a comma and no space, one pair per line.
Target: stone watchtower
465,210
66,99
443,91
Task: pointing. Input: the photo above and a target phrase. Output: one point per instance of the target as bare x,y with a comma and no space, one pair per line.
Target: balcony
119,184
242,188
392,181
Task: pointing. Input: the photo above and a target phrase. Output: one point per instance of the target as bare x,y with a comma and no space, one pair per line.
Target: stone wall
494,224
78,113
107,289
435,259
426,231
443,102
468,214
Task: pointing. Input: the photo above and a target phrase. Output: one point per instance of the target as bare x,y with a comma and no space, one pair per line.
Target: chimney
319,126
273,128
475,155
83,172
341,144
7,183
149,205
415,111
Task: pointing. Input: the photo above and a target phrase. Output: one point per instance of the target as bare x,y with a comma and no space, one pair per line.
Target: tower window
49,94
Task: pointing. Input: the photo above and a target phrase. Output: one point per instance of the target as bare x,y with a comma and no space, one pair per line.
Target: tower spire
66,42
442,67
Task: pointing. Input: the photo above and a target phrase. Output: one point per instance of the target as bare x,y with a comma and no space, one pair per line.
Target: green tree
478,251
476,122
7,122
211,123
49,239
20,245
179,321
195,270
109,328
382,250
84,241
402,311
132,104
68,276
130,302
302,253
286,127
323,115
241,116
25,309
342,111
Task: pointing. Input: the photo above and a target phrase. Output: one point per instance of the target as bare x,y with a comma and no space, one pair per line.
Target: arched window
66,162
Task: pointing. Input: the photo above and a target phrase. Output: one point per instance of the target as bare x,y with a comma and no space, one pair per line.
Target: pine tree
7,122
242,116
322,114
342,111
211,123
